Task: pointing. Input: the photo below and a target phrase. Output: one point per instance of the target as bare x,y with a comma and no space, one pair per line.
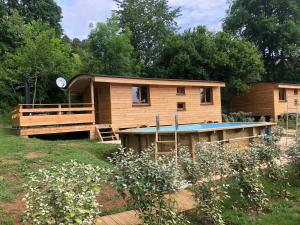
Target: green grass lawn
279,212
15,164
291,124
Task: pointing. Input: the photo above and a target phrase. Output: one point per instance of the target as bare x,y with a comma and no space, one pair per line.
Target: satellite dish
61,82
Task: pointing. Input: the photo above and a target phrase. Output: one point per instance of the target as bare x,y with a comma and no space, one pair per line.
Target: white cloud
78,14
201,12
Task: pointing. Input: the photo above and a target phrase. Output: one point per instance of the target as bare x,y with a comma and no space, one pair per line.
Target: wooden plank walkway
184,202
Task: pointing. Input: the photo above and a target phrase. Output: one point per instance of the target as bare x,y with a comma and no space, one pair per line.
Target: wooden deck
184,202
53,118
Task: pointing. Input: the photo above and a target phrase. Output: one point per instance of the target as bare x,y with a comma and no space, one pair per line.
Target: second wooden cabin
271,100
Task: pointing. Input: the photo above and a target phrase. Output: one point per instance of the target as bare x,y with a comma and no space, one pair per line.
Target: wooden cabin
271,100
109,104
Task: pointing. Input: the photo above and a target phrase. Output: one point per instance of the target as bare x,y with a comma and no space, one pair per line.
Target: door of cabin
102,103
96,102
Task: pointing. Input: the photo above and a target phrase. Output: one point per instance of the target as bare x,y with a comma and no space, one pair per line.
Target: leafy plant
268,154
262,119
210,162
238,117
245,170
146,183
268,151
63,195
294,154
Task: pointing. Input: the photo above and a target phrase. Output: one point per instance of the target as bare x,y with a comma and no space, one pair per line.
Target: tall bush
146,183
245,170
268,151
63,195
269,155
294,154
209,164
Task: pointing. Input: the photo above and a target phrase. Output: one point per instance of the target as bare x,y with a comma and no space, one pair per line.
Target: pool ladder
158,140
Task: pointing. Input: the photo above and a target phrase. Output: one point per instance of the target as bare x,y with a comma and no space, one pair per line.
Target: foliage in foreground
269,156
245,170
212,162
63,195
149,184
294,154
202,172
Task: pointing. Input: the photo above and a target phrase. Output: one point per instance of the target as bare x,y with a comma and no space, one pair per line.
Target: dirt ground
15,209
34,155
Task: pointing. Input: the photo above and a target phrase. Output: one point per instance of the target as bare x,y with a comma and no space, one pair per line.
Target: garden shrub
294,154
145,183
262,119
245,170
269,154
63,194
238,117
209,193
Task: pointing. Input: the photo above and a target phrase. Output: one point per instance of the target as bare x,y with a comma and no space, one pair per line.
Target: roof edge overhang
141,80
280,85
289,86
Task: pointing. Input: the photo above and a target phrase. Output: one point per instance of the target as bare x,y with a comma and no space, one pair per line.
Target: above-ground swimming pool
194,127
191,134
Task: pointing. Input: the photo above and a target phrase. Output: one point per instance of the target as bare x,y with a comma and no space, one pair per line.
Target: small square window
180,90
181,106
295,91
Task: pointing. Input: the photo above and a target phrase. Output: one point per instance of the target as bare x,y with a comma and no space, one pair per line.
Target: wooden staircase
105,133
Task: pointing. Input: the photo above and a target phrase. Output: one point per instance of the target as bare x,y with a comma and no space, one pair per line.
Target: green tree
274,27
200,54
236,62
11,25
43,57
45,10
151,23
110,50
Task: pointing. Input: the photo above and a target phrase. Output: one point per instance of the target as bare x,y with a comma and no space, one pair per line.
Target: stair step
165,142
106,132
164,153
108,136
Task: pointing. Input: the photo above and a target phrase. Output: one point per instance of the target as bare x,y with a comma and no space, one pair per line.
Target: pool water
191,127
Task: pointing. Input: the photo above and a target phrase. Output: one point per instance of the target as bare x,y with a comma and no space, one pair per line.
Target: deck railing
29,115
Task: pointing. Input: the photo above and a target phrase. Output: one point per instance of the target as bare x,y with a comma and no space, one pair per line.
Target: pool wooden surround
110,103
234,136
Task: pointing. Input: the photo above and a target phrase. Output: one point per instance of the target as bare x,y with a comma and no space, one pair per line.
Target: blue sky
78,14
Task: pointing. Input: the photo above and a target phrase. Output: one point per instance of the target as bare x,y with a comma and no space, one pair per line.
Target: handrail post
69,98
59,109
